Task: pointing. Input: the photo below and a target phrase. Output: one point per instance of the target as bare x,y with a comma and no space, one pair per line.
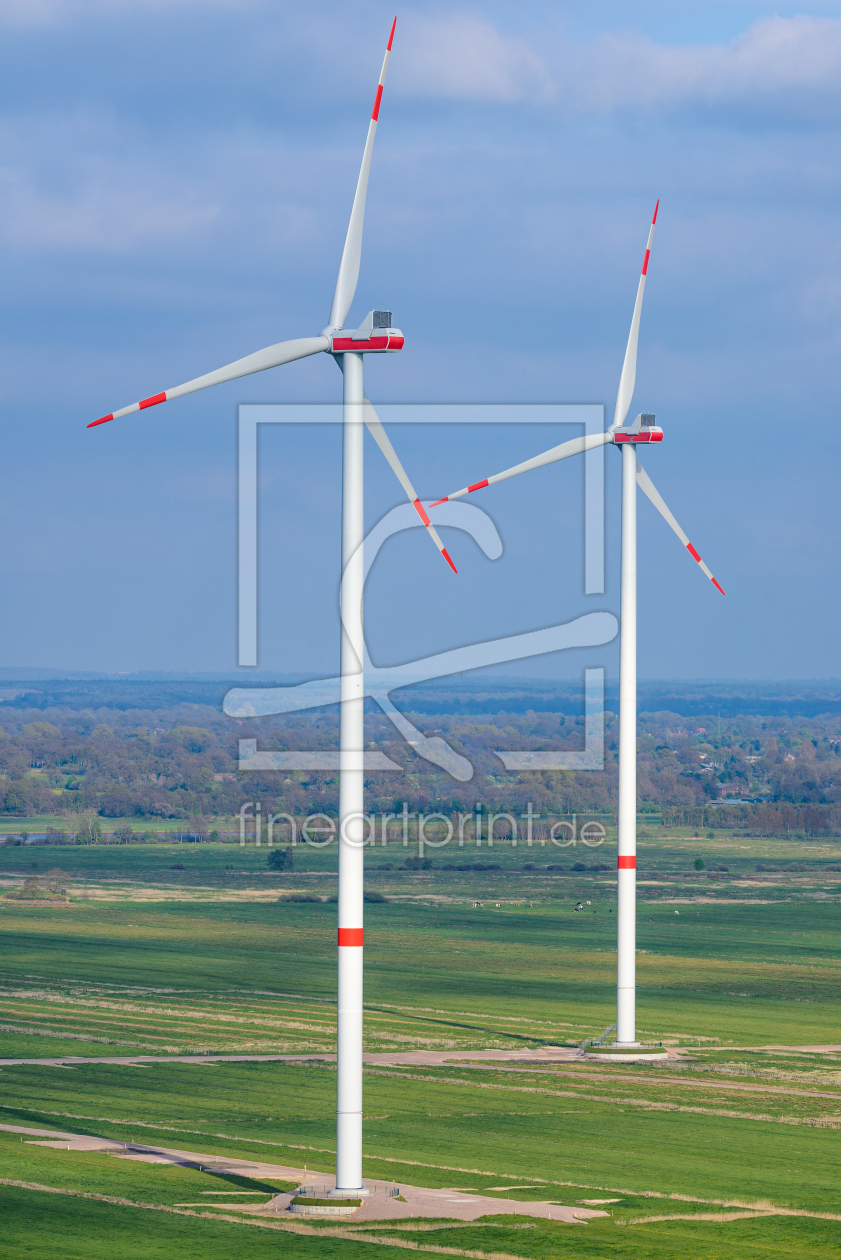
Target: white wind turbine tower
374,335
643,430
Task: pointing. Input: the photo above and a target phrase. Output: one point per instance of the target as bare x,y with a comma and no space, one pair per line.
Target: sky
175,182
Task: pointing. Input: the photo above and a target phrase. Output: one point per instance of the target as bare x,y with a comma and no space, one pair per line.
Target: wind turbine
643,430
375,335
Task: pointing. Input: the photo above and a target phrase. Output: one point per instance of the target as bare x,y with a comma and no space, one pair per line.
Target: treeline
92,832
180,765
771,819
88,767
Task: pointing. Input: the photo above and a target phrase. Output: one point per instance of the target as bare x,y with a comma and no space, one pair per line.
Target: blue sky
175,181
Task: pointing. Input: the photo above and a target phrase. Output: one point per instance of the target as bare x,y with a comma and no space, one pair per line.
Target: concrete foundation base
322,1209
629,1055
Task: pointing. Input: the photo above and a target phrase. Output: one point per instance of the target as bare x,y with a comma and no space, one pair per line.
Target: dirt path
419,1200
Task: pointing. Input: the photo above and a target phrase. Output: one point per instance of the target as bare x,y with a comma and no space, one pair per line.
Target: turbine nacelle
644,429
374,334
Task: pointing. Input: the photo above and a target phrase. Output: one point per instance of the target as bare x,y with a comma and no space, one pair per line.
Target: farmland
166,950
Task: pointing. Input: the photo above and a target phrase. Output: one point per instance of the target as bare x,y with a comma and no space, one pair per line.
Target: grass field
149,960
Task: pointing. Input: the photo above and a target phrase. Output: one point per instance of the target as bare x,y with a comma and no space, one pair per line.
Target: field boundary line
137,1007
810,1122
758,1214
665,1081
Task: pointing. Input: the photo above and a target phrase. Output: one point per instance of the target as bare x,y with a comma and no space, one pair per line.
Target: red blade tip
656,208
435,504
101,420
391,36
446,556
717,587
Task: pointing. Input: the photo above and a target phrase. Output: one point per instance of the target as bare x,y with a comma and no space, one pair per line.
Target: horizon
13,673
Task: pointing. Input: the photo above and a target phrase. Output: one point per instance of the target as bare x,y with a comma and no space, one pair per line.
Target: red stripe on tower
350,936
656,208
480,485
391,37
419,508
101,420
626,863
693,553
446,556
375,112
645,262
153,401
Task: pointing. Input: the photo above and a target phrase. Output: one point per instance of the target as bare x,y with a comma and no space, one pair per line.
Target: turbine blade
272,356
647,486
629,367
577,446
352,253
380,436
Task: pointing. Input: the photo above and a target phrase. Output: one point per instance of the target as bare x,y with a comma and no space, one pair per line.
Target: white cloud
779,65
785,68
113,212
465,58
76,182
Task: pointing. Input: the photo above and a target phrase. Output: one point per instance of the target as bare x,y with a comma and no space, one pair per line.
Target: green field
149,960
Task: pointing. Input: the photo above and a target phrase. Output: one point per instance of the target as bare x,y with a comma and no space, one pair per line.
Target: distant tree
16,799
280,860
194,738
57,881
699,864
90,831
